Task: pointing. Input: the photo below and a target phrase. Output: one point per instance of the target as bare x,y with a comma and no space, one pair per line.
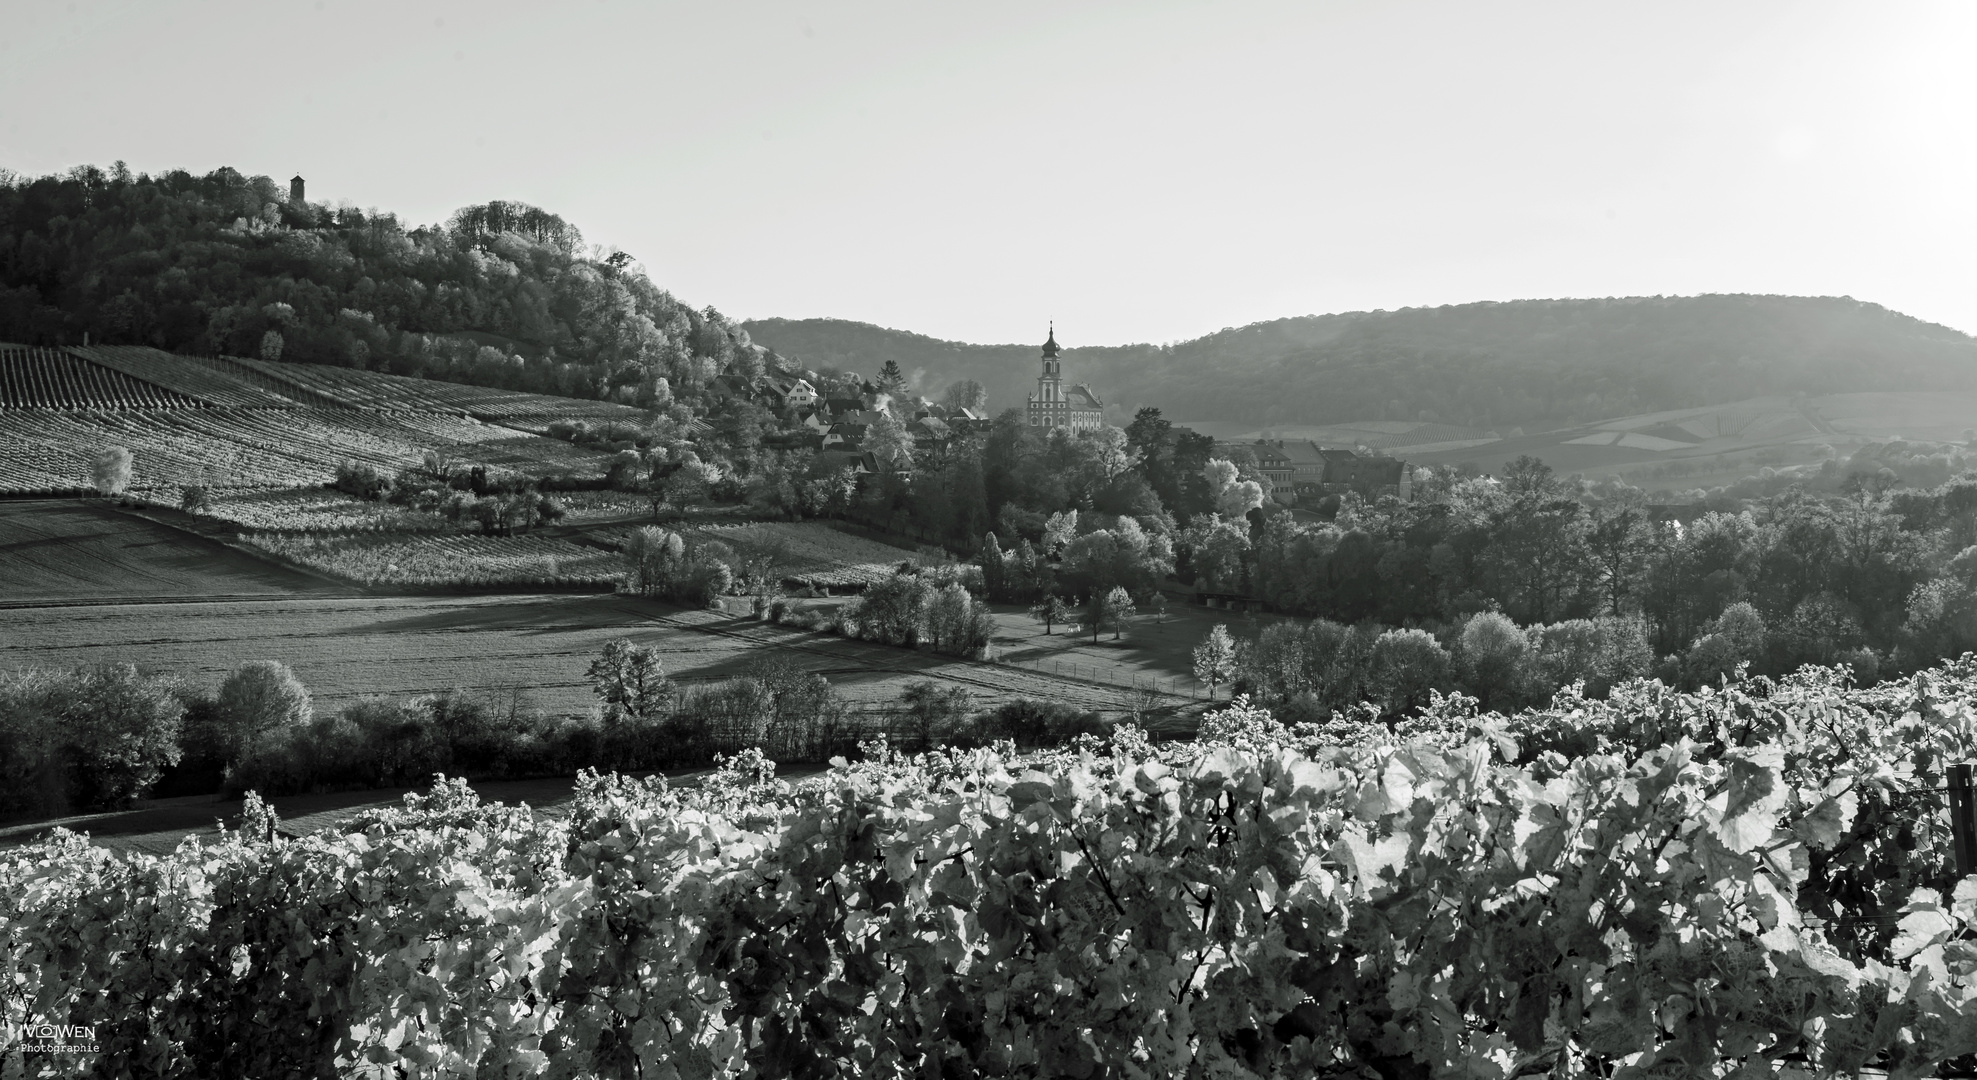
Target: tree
1215,658
630,680
1158,605
1407,666
889,443
995,570
260,699
195,499
891,380
1496,660
1050,610
686,486
271,345
1059,531
656,556
111,470
1617,545
934,709
965,394
1118,607
1233,497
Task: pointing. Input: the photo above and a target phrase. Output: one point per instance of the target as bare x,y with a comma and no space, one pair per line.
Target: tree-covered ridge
1489,365
503,295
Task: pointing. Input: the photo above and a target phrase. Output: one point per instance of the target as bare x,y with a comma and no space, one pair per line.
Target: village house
1305,472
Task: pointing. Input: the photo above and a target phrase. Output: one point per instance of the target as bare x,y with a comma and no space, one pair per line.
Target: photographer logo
54,1039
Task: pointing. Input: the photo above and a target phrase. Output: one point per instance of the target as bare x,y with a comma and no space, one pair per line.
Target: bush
1031,723
95,737
361,481
1495,660
934,712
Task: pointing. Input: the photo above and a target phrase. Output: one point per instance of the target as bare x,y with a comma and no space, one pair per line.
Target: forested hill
503,294
1522,363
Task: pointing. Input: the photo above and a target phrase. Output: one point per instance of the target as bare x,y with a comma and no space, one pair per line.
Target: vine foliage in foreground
1660,885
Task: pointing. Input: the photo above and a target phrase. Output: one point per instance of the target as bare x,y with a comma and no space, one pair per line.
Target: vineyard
447,560
51,379
319,510
1752,882
240,424
813,553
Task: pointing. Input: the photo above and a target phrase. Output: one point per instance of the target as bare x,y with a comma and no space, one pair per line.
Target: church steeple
1054,406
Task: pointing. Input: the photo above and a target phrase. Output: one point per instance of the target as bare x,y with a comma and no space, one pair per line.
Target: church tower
1054,406
295,190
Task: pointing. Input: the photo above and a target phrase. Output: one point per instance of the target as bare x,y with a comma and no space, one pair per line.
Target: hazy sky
1138,172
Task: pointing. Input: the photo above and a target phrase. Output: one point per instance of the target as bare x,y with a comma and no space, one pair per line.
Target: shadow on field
542,615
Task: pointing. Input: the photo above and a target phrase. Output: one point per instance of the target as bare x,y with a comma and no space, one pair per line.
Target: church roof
1082,391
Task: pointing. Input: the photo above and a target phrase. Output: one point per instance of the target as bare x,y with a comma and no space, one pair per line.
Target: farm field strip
75,549
447,559
319,510
538,646
818,554
45,450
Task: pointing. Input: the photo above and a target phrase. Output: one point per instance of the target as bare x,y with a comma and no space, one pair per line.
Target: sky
1135,172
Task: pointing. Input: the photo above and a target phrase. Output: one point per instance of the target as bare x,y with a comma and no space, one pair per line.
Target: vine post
1963,818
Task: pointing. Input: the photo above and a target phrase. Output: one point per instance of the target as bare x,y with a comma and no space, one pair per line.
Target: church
1054,406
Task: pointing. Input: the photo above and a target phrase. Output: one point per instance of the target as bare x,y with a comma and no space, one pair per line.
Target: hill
503,294
1530,364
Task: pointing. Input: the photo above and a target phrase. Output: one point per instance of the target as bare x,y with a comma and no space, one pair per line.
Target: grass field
82,549
528,650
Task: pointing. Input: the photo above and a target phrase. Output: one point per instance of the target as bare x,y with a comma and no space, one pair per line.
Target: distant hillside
502,295
1528,363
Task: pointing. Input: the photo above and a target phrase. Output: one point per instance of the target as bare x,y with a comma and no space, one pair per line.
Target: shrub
96,737
934,712
1036,723
1495,659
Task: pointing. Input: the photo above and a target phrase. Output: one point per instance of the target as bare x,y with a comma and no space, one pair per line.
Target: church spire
1050,343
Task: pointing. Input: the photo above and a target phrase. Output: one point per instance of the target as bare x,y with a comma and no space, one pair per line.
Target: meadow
85,549
527,650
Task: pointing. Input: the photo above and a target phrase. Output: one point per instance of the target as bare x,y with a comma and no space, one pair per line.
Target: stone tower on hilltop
295,189
1054,406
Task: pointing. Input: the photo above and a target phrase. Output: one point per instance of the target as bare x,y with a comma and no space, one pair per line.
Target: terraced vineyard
52,379
235,424
447,560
